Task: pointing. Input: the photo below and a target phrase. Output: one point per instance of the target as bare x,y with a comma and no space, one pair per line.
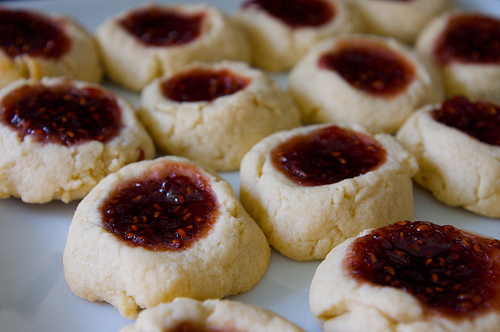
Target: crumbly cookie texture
218,133
323,95
340,303
133,64
402,20
305,223
457,168
218,315
475,80
41,172
81,62
230,259
278,47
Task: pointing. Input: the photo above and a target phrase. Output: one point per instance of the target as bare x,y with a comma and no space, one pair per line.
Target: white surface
33,293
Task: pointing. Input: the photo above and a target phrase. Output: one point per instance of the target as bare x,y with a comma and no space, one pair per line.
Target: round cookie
165,228
312,187
409,277
146,42
457,147
59,137
401,19
465,46
214,113
34,44
374,81
283,31
184,314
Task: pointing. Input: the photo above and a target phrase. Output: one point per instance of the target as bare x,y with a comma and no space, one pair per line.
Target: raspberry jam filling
202,85
472,38
452,272
328,155
297,13
171,208
155,26
23,32
61,113
198,327
480,119
370,67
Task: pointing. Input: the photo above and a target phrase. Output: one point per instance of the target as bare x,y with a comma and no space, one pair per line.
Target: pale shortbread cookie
39,172
402,20
475,80
458,169
323,95
340,303
230,258
218,133
80,61
210,315
305,223
277,46
134,64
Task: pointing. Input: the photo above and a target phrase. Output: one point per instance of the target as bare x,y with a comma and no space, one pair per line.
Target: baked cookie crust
278,47
323,95
305,223
210,315
81,61
458,169
133,64
218,133
230,259
39,172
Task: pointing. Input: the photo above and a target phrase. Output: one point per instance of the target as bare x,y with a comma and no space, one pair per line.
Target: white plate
33,293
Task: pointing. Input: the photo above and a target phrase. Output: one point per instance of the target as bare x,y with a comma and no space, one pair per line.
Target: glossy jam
23,32
450,271
327,156
370,67
479,119
192,327
296,13
155,26
202,85
470,38
170,208
61,114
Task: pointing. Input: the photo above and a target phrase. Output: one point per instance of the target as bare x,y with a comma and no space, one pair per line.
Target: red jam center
169,209
470,38
202,85
370,67
451,271
296,13
23,32
480,119
156,26
327,156
194,327
61,114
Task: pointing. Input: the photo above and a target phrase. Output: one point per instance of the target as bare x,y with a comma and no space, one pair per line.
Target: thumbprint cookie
401,19
34,44
282,31
214,113
466,46
371,80
161,229
312,187
59,137
142,43
412,277
184,314
457,145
